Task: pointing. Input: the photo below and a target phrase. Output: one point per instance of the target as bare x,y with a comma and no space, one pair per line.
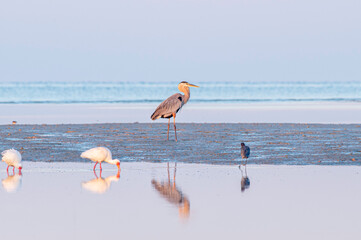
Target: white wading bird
12,158
169,107
100,185
12,183
99,155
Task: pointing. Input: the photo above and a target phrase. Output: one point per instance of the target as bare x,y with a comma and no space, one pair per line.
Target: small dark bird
245,151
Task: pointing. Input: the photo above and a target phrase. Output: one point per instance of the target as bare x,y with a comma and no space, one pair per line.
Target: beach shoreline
294,112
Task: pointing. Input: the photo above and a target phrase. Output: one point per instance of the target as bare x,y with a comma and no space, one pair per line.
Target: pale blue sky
194,40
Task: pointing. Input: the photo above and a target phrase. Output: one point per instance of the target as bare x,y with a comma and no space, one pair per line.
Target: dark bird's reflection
100,185
245,182
169,191
12,183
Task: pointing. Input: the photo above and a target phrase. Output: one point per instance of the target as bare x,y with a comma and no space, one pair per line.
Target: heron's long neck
187,94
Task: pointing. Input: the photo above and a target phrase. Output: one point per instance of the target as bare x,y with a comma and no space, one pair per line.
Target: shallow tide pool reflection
169,191
245,182
284,202
12,183
100,185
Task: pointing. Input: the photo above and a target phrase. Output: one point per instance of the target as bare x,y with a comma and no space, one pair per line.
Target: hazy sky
194,40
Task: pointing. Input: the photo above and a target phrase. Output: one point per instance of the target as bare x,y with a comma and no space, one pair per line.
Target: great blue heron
170,107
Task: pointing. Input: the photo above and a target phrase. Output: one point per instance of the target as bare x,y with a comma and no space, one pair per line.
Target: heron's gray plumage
169,106
168,191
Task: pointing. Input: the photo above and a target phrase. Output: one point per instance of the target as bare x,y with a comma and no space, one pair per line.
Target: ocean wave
154,92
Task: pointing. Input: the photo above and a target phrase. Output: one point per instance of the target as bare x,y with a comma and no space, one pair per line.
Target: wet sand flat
278,112
295,144
60,201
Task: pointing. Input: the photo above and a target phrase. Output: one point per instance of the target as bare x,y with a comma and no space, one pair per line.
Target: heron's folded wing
169,106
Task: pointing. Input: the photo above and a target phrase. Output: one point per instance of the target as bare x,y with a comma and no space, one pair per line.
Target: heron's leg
8,169
100,167
95,166
168,172
13,170
175,170
168,129
175,128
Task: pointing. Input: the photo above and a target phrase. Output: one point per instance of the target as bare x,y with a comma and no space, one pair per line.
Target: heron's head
242,144
185,84
184,209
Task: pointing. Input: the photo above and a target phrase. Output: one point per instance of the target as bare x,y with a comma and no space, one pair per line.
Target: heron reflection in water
245,182
12,183
169,191
100,185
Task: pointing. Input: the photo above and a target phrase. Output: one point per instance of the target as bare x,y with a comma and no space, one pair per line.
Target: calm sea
140,92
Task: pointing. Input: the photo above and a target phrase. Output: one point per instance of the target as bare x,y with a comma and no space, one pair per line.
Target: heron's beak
191,85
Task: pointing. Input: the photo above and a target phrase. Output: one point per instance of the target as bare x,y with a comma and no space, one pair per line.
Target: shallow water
296,144
209,92
197,202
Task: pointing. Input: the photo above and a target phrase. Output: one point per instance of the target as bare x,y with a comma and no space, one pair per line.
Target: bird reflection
100,185
12,183
169,191
245,182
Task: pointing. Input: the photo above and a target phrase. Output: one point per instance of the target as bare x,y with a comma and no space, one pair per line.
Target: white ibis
99,155
12,158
